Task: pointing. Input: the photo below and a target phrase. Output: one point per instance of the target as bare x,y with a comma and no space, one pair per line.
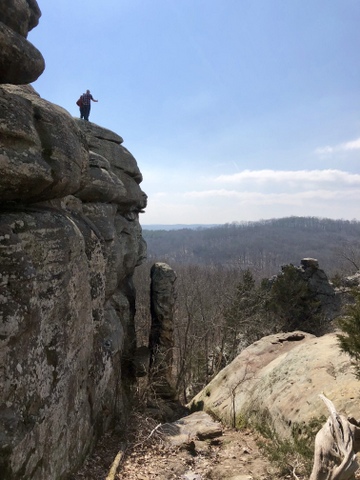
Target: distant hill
262,246
178,226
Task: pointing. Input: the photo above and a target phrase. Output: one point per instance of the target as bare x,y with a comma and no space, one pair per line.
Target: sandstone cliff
70,240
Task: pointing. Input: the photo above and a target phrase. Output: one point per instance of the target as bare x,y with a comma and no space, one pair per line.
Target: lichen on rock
70,240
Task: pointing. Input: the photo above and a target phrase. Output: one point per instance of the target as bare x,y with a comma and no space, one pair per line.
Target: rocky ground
234,455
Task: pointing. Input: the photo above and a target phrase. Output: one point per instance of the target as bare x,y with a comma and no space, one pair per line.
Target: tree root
336,445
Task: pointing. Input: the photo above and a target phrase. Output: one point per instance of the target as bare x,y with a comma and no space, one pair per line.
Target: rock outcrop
70,240
319,284
161,342
20,61
317,290
280,378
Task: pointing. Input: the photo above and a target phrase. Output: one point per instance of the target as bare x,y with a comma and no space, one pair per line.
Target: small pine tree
349,341
246,319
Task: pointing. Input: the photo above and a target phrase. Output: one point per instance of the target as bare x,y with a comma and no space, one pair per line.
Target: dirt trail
233,456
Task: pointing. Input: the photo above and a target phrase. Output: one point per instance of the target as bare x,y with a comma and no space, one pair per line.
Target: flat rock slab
197,426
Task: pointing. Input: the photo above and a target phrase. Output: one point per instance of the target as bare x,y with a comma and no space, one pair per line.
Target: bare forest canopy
262,246
235,285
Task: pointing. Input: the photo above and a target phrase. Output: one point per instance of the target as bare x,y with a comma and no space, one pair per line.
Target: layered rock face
70,240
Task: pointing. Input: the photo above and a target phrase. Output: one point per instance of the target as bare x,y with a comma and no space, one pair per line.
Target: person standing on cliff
86,99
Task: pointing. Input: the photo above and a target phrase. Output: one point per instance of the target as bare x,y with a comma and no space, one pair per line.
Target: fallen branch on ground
115,466
149,436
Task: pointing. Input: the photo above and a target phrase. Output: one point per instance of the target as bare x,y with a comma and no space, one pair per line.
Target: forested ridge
262,246
226,295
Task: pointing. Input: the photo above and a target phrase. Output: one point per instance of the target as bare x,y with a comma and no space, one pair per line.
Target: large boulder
20,61
20,15
280,378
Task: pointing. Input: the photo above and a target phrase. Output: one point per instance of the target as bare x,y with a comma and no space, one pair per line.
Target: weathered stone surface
135,199
52,292
108,146
65,312
20,61
163,299
281,376
70,240
351,281
118,179
100,183
20,15
67,302
319,284
197,426
43,155
141,361
191,476
93,132
161,342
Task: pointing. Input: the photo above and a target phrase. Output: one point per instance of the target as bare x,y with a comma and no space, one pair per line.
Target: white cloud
328,150
255,194
272,198
160,195
324,150
290,177
221,206
354,145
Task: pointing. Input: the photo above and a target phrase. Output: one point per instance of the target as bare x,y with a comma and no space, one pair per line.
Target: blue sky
234,109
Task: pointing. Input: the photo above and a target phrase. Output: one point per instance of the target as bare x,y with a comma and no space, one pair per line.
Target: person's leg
86,112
